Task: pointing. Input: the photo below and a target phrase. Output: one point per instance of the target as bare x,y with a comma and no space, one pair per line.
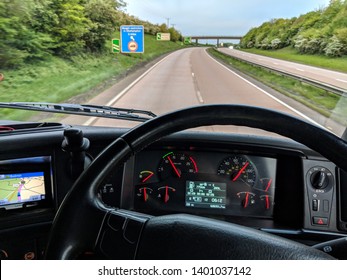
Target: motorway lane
185,78
334,78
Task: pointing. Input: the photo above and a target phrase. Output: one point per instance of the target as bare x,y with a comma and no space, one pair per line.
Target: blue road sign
132,39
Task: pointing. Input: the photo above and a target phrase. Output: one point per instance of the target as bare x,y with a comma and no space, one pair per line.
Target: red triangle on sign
320,221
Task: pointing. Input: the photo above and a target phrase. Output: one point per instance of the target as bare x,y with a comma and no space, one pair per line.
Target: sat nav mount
76,145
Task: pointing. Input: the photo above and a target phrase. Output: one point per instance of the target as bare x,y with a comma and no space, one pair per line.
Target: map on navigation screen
21,188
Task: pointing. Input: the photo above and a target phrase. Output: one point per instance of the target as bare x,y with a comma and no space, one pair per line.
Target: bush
276,44
334,48
300,44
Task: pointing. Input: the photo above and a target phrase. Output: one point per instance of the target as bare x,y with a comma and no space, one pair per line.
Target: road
191,77
334,78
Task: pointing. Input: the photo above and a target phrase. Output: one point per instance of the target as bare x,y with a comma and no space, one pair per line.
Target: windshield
160,56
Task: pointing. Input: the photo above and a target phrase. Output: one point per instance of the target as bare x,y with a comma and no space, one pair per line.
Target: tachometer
238,168
174,164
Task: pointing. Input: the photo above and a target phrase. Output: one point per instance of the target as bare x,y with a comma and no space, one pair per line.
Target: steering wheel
84,223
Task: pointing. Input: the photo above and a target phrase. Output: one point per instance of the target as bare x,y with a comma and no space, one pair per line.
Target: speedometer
238,168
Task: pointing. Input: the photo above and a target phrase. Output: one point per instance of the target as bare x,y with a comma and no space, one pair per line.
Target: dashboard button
315,205
320,221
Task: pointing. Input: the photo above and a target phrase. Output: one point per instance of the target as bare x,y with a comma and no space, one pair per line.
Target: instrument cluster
196,182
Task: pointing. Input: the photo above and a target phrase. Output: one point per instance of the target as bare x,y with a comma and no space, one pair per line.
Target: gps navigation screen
205,194
20,188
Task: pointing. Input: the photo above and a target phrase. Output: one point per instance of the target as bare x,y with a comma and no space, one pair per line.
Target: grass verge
58,80
317,99
290,54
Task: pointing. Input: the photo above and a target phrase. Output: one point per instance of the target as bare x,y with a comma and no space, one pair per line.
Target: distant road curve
333,78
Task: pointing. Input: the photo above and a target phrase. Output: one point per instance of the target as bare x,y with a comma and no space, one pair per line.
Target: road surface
191,77
329,77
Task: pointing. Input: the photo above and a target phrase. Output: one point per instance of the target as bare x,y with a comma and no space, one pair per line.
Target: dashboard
208,182
275,185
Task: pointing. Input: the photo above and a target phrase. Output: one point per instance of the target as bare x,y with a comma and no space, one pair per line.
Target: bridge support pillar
196,41
217,42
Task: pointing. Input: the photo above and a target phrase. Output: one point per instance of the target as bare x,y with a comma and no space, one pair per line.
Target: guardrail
318,84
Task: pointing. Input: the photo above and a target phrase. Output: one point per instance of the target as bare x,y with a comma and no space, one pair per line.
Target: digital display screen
201,194
20,188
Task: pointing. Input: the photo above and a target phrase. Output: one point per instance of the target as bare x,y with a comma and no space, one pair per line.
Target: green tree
174,34
103,20
65,21
323,31
19,43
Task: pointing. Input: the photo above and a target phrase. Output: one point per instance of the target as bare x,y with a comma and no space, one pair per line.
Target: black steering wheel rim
66,240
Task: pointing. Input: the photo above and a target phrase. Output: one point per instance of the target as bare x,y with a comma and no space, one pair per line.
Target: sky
218,17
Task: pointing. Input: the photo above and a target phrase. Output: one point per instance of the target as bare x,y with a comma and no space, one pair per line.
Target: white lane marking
193,74
300,69
275,63
124,91
198,93
340,80
268,94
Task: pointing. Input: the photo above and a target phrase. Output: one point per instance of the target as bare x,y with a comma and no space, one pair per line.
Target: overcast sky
219,17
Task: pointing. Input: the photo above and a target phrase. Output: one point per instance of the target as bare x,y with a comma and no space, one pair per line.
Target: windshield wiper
84,110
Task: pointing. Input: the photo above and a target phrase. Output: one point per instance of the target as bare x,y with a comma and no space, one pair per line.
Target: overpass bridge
214,37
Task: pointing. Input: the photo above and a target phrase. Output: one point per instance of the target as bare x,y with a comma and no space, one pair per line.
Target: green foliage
103,18
322,31
33,30
334,48
19,44
79,78
175,35
69,26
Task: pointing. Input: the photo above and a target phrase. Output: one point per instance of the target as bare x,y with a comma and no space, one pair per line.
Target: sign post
187,40
132,39
115,45
163,36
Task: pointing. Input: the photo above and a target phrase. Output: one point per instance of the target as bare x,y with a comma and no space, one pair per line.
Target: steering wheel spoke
120,234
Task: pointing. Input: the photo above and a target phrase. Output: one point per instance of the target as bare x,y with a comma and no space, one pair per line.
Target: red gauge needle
246,201
147,178
145,196
267,202
166,198
174,167
268,185
240,172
